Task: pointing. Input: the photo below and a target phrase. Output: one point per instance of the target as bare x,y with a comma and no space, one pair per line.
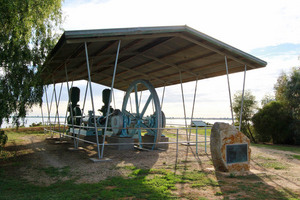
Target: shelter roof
157,54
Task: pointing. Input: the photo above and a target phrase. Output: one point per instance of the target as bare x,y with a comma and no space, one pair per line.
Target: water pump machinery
124,122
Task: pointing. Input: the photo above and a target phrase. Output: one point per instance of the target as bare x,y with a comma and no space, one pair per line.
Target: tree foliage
287,90
26,37
272,123
249,107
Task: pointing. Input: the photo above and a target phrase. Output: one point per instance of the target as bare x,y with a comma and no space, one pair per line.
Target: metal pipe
52,99
114,144
182,95
48,109
82,110
129,101
55,98
205,139
229,90
58,106
111,90
114,100
67,107
42,113
241,113
92,98
70,107
197,140
163,96
176,145
195,93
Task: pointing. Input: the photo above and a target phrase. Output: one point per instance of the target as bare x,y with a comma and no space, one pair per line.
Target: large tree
287,91
249,107
26,37
272,122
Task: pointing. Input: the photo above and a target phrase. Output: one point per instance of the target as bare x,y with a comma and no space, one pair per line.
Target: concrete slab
124,143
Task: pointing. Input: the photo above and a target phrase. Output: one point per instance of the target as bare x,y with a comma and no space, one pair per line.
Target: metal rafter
202,44
140,51
78,68
78,51
164,56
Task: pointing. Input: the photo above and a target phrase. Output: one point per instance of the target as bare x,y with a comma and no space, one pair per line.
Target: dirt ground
38,152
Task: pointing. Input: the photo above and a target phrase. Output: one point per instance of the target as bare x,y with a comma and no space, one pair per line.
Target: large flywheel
143,115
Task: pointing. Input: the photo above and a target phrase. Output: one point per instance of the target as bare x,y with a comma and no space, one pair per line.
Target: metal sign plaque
236,153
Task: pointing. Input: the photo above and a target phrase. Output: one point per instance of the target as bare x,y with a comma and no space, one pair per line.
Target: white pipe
241,112
229,90
110,96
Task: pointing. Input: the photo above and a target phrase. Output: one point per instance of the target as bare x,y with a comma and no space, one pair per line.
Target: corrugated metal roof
157,54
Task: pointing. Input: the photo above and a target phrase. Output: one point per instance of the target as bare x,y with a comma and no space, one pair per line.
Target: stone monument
230,148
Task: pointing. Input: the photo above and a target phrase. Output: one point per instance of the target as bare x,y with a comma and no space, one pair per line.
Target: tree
26,37
272,123
267,99
249,106
287,90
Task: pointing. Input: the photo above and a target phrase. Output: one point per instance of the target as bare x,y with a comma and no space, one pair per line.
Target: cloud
267,29
244,24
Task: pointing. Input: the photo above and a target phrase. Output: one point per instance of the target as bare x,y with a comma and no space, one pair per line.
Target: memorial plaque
236,153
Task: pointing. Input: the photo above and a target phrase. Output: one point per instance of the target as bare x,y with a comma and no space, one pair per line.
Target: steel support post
70,107
114,100
110,96
92,98
57,105
241,113
205,139
197,140
55,98
162,98
42,113
195,94
82,111
177,145
48,109
183,102
67,107
229,90
51,108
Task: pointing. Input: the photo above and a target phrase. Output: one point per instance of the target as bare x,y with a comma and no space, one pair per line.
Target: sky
268,29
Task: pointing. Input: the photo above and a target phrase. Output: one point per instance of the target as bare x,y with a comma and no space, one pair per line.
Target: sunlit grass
295,149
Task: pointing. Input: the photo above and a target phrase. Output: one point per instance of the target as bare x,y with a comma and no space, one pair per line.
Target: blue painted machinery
124,122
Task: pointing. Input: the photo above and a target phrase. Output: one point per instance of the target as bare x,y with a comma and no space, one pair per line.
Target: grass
172,132
295,149
139,183
296,157
274,165
16,135
56,172
137,186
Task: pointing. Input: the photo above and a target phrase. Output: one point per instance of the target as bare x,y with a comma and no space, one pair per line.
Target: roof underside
157,54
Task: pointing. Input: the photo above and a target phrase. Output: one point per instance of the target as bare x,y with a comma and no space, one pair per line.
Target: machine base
125,143
150,139
92,138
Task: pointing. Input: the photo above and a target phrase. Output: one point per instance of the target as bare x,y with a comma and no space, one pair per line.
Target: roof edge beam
217,51
122,37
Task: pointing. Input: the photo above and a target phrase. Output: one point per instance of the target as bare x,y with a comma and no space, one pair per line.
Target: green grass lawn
139,183
294,149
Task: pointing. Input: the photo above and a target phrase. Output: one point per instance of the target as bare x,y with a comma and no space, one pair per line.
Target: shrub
3,139
272,122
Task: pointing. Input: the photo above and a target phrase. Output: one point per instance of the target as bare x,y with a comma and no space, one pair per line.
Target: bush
272,123
3,139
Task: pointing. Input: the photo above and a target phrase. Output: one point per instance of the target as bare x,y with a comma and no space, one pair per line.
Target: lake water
170,121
